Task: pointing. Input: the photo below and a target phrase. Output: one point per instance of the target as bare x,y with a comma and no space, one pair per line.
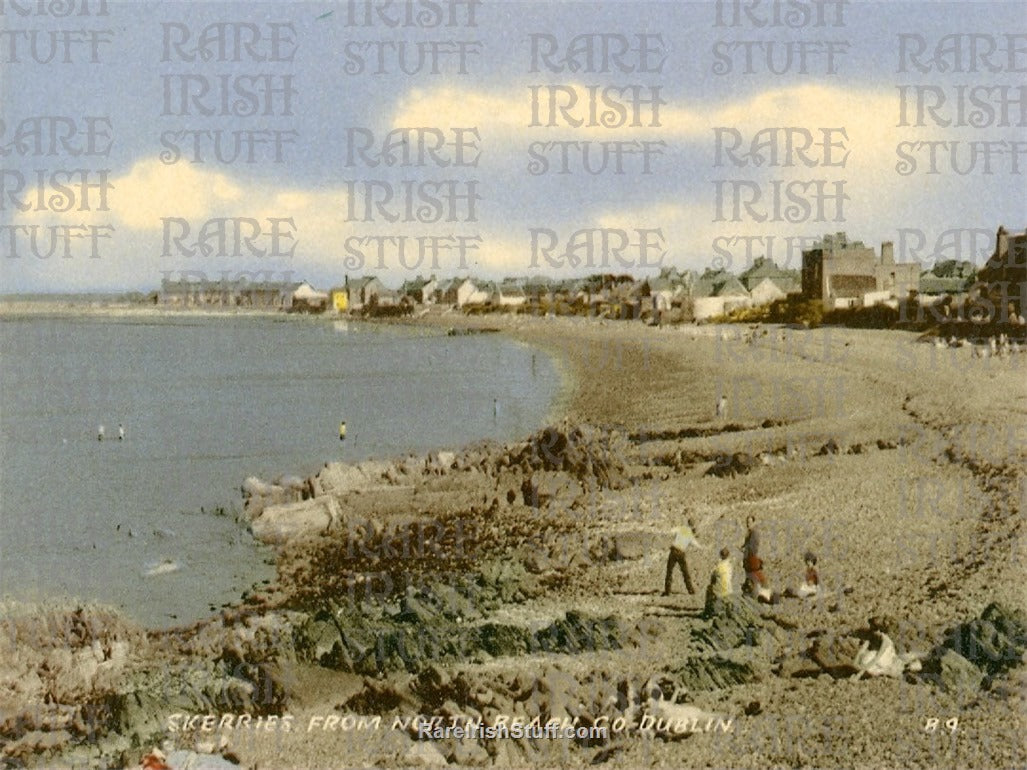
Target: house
537,290
509,294
766,282
273,295
387,297
340,299
482,294
420,290
844,273
717,292
307,299
445,292
1003,278
460,292
363,291
661,292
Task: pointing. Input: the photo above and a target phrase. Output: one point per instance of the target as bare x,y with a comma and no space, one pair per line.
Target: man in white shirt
684,537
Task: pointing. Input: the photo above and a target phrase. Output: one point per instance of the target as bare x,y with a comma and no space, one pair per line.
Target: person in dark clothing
756,580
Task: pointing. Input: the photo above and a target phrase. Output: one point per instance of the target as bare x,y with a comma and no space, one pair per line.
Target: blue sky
948,213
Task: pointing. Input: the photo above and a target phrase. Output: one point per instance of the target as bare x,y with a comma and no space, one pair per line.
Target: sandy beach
898,463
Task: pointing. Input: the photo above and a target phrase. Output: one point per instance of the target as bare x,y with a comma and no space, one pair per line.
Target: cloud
138,252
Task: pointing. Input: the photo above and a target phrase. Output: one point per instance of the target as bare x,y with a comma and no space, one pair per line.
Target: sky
492,138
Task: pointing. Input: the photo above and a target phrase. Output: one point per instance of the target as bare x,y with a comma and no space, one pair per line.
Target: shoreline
899,464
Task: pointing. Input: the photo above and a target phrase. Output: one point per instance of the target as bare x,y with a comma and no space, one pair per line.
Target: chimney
887,253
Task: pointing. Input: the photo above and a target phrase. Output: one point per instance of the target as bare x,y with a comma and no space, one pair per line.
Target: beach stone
739,463
836,655
469,753
631,545
577,632
994,642
192,760
713,673
423,754
829,448
954,673
733,622
280,523
550,488
501,640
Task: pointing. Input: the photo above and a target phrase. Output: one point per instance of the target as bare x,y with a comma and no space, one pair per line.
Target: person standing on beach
722,407
751,560
720,587
684,536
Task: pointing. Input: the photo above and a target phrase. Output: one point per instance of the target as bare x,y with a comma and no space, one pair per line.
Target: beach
898,463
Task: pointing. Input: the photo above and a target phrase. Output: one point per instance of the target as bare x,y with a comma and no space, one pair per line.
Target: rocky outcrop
590,455
739,463
978,651
421,632
733,622
277,524
994,642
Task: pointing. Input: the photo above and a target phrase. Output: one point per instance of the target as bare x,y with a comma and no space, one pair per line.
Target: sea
148,523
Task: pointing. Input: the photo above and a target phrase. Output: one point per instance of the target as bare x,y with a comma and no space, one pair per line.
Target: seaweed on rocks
584,452
733,622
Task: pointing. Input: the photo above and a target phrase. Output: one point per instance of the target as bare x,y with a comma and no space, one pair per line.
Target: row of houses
241,293
835,271
706,294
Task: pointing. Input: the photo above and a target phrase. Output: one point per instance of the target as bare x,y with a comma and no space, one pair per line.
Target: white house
509,295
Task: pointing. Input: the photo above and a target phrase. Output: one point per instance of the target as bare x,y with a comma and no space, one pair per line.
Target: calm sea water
206,402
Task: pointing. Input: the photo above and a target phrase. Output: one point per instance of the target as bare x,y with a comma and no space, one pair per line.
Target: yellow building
340,300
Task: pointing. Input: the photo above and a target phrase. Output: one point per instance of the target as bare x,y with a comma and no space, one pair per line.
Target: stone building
1003,278
844,273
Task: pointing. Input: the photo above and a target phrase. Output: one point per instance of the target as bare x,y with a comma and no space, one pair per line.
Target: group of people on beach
721,584
101,432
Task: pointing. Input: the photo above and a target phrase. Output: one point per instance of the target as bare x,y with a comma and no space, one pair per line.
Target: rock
631,545
191,760
836,655
469,753
994,642
501,640
830,448
577,632
732,465
550,488
954,673
280,523
423,754
713,673
734,621
254,487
